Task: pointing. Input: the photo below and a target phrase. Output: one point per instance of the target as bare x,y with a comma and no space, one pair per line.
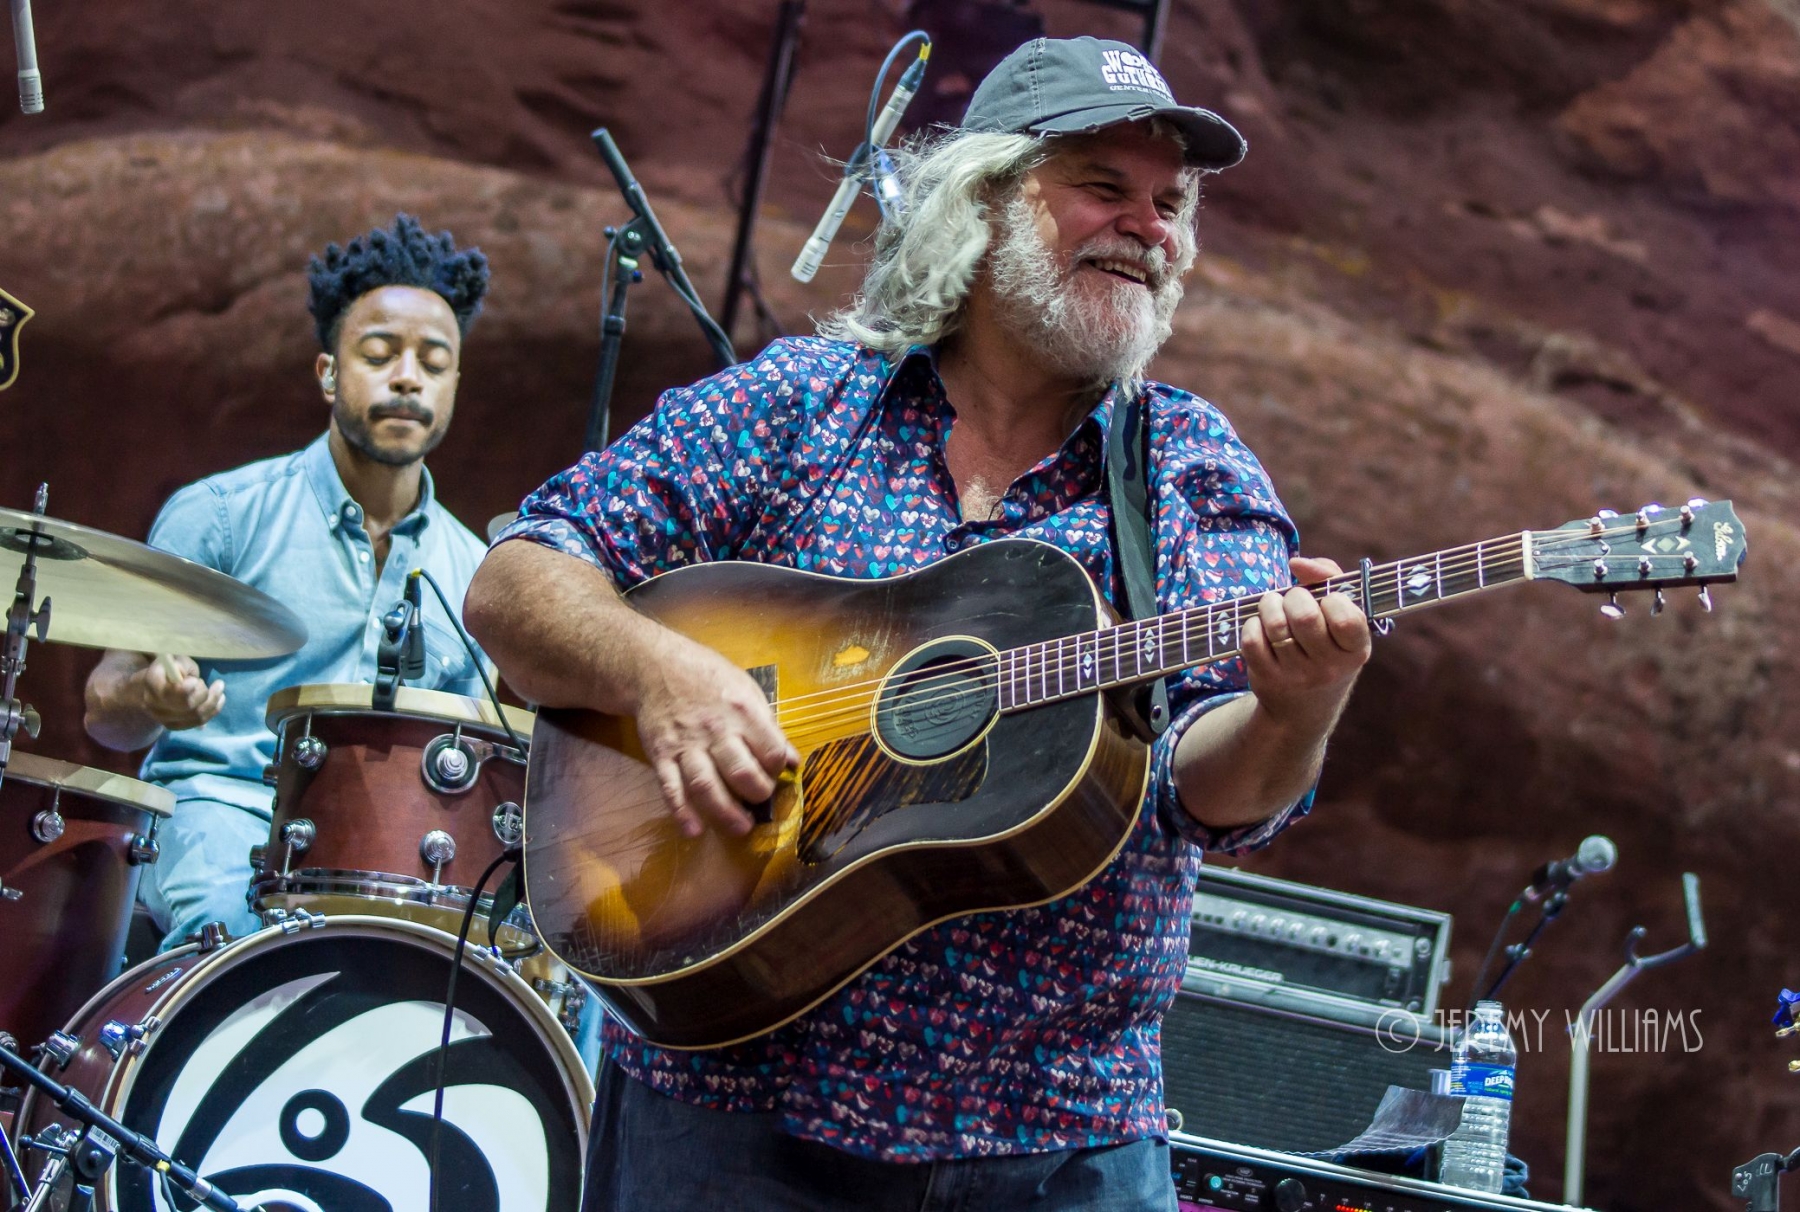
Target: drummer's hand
181,702
707,730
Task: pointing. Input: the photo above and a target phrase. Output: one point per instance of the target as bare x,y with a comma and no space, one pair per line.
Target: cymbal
110,592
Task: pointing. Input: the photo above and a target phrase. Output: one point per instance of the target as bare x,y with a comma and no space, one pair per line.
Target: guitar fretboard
1140,650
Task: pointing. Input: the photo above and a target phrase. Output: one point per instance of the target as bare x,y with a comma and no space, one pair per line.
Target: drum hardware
144,848
56,1141
102,1141
47,826
294,921
309,750
509,823
437,848
10,894
566,998
451,763
60,1047
210,937
297,836
21,621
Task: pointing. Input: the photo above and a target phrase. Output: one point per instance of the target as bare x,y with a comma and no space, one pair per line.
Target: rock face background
1491,264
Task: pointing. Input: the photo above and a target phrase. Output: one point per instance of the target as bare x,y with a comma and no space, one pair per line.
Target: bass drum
296,1068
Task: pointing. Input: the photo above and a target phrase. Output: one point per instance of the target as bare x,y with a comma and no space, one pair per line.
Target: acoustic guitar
962,750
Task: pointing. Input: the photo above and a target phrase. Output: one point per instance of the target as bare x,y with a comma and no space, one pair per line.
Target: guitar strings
948,682
826,711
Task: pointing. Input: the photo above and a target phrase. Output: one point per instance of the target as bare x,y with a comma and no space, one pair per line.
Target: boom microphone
31,85
813,255
1595,854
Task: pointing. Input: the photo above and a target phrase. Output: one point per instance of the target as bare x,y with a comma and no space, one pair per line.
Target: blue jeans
203,872
650,1153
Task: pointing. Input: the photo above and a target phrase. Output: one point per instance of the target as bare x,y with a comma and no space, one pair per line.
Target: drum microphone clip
401,657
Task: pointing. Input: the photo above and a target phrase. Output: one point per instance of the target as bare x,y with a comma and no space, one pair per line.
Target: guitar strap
1127,473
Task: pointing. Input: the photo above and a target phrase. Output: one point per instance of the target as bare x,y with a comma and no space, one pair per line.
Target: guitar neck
1143,650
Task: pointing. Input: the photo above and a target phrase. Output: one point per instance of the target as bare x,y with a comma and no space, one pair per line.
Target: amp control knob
1290,1195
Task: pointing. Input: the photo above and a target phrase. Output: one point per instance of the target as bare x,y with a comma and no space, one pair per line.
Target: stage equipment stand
778,77
102,1140
625,245
1581,1032
21,620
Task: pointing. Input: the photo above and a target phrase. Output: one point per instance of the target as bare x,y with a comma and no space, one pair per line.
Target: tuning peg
1657,603
1698,502
1612,609
1794,1066
1606,513
1706,598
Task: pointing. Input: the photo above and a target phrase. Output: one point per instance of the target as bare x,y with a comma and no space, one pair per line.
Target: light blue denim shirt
289,527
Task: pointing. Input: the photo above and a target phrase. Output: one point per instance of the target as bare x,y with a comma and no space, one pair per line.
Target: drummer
330,531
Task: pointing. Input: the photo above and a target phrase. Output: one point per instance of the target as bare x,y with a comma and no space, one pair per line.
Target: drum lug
271,774
309,752
118,1038
257,855
210,937
509,823
437,848
297,835
48,825
450,764
144,849
293,923
61,1048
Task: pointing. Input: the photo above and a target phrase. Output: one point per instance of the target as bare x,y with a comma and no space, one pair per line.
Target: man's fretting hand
1303,653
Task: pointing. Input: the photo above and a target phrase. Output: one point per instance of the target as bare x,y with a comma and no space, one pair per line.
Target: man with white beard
1004,1059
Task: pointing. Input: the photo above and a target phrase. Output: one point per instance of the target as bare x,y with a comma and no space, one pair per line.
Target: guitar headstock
1700,543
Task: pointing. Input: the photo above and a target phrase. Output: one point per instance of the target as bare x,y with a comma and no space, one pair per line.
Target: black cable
456,958
474,656
1493,949
13,1170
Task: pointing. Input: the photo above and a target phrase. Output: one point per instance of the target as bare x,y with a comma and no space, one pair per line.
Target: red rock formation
1490,265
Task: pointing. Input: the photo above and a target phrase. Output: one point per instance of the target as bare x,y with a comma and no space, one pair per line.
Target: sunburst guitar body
960,752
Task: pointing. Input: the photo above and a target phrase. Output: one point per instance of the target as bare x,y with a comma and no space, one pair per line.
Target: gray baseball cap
1063,86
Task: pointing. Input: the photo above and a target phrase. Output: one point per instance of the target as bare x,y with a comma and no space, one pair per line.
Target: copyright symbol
1397,1031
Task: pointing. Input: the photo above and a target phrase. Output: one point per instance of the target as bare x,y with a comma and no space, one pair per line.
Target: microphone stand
1581,1031
1520,951
626,245
104,1139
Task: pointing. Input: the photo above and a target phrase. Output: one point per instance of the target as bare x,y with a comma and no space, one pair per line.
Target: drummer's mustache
395,410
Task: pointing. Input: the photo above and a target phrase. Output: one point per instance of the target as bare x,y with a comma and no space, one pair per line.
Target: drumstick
170,669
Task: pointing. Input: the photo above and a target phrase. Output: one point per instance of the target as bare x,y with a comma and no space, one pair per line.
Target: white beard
1090,326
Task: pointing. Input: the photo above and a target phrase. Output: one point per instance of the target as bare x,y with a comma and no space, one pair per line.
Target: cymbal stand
104,1139
21,619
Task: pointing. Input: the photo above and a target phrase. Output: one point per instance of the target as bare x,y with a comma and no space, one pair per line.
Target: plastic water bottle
1482,1072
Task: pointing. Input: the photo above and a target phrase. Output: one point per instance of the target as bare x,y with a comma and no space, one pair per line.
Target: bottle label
1486,1081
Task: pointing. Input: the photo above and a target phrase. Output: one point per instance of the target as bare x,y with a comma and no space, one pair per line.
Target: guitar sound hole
938,699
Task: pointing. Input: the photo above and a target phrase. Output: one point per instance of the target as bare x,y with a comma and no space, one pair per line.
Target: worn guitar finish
959,753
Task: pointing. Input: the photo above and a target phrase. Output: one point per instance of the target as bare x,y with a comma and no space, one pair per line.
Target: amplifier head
1306,939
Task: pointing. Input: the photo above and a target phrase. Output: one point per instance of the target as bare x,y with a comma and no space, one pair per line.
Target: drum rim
378,887
358,698
91,780
121,1078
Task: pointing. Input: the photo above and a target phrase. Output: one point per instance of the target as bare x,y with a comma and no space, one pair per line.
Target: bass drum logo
304,1077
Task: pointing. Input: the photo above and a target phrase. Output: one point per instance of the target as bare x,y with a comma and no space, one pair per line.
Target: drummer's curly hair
401,255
